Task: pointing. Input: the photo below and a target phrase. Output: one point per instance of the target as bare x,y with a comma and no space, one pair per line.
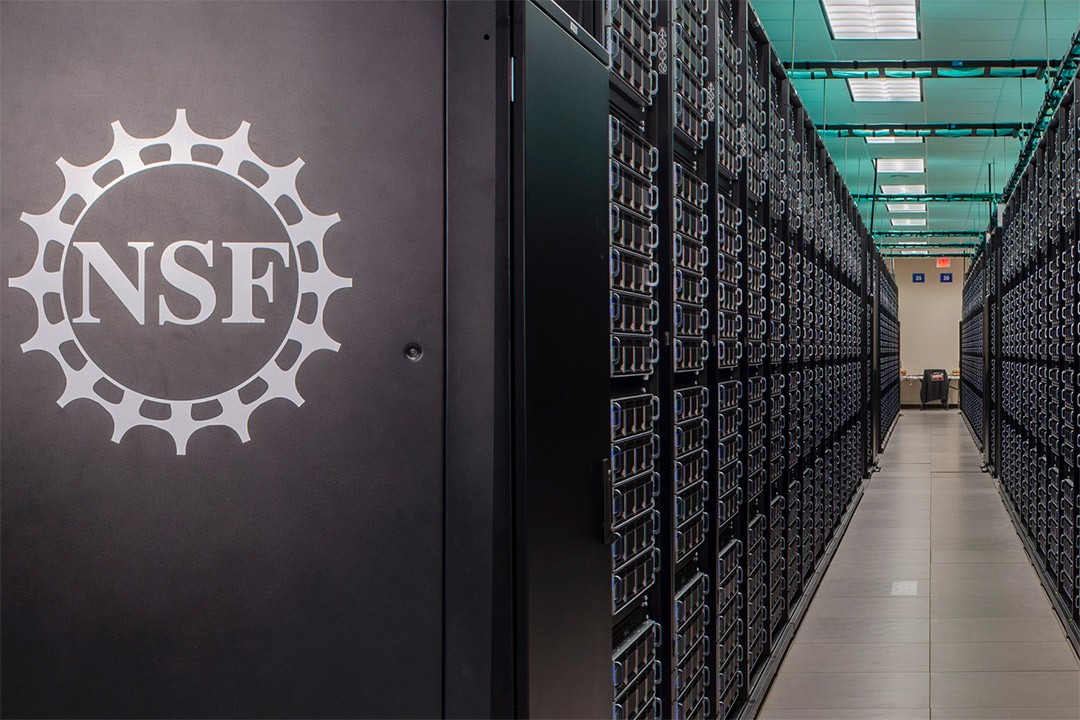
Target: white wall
929,320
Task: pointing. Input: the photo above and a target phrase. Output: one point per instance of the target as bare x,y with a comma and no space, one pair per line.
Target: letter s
187,281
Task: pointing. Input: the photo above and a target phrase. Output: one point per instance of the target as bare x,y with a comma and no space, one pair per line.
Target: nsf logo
180,282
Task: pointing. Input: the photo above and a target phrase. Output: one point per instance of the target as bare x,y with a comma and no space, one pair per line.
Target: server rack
991,366
870,349
639,418
887,353
1026,284
974,327
740,305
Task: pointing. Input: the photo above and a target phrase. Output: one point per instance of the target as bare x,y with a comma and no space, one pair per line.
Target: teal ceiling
949,30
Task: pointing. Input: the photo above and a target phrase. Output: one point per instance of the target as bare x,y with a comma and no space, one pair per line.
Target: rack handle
612,45
654,197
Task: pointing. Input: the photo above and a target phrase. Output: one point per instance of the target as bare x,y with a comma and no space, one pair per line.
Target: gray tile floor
930,607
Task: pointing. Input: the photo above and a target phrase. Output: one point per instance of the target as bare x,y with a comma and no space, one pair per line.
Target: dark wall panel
478,607
298,573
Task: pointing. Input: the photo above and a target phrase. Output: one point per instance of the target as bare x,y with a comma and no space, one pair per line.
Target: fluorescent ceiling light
893,140
885,89
900,165
903,189
914,252
872,19
906,207
901,222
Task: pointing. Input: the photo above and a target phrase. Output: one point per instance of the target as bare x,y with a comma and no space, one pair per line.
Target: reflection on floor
930,607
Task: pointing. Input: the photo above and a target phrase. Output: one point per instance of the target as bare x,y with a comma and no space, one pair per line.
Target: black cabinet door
562,360
289,562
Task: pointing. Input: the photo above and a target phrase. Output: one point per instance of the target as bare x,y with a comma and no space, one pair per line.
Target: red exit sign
943,262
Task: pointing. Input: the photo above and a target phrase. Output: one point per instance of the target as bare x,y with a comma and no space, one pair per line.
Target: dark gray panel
299,573
478,610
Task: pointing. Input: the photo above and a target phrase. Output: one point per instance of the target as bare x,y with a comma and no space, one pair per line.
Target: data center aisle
930,607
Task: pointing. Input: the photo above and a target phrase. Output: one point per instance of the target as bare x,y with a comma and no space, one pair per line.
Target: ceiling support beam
951,69
947,130
928,233
927,254
925,245
931,197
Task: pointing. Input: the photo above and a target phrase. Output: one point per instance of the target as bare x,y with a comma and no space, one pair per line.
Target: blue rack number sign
918,277
946,277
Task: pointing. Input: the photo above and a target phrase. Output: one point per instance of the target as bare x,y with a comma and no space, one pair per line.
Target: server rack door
296,572
561,360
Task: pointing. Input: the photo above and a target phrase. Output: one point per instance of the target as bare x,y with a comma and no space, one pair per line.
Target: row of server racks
1020,363
753,326
887,349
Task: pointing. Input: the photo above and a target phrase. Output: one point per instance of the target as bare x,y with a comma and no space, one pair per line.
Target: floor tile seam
857,707
882,642
930,603
971,707
892,641
852,672
1003,672
1013,618
936,672
994,642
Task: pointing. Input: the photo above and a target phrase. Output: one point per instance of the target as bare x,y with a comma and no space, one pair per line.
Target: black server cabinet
992,354
1030,274
887,353
869,341
974,336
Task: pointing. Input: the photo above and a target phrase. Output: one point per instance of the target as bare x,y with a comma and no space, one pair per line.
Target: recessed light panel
872,19
906,207
903,189
886,89
893,140
900,165
909,222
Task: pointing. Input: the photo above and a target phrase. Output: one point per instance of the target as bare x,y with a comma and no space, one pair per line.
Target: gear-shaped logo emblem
315,282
